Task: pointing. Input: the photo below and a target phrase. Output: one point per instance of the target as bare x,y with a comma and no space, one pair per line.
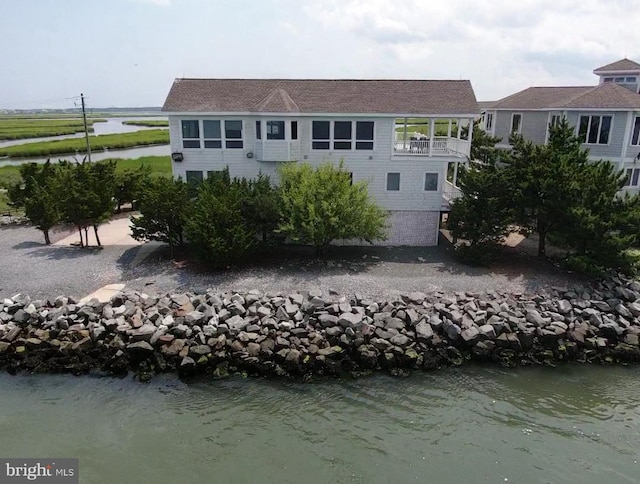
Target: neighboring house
405,137
606,116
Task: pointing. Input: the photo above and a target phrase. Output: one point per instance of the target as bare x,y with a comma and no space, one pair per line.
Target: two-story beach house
404,137
605,116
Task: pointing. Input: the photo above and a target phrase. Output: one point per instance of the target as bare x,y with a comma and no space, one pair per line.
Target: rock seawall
309,333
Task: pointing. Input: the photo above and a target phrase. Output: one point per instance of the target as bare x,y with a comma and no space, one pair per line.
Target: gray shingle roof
322,96
603,96
621,65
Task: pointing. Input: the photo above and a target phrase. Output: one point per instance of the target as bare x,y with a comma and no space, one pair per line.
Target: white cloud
501,45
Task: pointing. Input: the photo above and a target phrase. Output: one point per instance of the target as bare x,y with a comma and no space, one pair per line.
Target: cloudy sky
127,52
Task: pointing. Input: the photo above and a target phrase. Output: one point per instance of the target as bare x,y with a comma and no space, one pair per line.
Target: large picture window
595,130
342,135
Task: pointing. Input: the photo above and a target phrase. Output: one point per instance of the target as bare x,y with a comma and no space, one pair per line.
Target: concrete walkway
115,232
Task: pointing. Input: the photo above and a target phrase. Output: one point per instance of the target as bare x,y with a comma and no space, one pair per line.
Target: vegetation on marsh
21,128
151,123
98,143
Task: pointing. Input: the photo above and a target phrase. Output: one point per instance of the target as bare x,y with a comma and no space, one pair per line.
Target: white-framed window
275,130
516,123
635,134
393,182
294,130
211,133
594,130
430,182
555,120
194,177
632,177
208,133
488,121
190,133
342,135
233,133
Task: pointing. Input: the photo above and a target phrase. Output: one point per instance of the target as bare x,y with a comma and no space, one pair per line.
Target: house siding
616,137
410,207
534,126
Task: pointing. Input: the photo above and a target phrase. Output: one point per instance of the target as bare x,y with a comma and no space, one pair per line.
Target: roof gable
621,65
322,96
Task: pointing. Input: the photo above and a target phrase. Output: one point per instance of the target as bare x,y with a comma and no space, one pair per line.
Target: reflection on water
568,424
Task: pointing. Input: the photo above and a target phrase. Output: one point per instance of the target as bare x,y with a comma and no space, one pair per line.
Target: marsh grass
20,128
98,143
151,123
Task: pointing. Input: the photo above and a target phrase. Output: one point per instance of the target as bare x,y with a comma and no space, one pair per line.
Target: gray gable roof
603,96
621,65
322,96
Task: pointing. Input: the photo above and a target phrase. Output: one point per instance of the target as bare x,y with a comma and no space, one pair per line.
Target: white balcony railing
449,193
442,146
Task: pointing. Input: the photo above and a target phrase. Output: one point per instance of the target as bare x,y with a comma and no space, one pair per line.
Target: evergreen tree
218,227
129,185
545,180
164,204
38,195
483,214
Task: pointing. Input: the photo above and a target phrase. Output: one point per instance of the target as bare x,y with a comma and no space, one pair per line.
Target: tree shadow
28,244
65,252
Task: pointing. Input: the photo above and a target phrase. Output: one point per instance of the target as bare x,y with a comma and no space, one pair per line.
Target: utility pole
86,130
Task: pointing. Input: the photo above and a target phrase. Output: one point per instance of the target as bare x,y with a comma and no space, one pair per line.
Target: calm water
157,150
110,126
574,424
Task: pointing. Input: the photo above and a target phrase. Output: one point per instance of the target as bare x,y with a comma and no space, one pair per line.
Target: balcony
277,150
442,146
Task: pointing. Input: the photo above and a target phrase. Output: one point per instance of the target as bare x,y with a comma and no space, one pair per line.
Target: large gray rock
350,320
424,332
327,320
393,323
236,323
400,340
470,335
564,306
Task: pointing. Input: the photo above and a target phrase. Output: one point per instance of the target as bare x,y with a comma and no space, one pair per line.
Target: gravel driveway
28,266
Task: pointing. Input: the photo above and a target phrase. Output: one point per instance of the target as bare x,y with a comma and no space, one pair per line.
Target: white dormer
624,72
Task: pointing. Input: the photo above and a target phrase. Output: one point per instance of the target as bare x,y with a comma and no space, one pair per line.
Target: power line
42,101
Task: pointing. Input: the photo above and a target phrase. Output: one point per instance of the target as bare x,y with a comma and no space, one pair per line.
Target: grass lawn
20,128
98,143
160,166
151,123
6,209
